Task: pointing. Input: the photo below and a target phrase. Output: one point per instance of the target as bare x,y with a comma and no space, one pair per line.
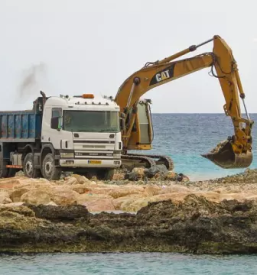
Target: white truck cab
84,132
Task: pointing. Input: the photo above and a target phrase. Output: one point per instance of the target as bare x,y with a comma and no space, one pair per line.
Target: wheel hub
29,167
48,167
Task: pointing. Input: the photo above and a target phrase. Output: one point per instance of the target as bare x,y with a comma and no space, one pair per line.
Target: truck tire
105,174
4,171
49,170
28,167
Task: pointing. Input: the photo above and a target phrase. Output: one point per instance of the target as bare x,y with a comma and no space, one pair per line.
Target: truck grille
92,145
95,141
81,154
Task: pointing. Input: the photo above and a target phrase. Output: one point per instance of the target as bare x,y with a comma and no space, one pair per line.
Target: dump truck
67,133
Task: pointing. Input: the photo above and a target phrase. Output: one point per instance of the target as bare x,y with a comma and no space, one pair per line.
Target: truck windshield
91,121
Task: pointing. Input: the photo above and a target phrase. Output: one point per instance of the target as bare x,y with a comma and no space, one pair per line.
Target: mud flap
224,156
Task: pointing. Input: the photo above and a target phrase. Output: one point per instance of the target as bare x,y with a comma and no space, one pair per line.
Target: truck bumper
90,163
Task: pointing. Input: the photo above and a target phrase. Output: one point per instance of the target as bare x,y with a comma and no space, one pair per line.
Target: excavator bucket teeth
224,156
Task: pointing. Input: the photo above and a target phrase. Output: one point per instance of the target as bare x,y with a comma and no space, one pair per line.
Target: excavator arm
236,151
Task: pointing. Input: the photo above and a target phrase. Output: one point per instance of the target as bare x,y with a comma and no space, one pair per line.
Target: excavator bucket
224,156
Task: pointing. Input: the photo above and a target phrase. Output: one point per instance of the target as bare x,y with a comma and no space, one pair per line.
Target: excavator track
137,160
131,161
167,161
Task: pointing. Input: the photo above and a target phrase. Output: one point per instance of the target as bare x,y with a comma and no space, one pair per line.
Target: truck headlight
69,155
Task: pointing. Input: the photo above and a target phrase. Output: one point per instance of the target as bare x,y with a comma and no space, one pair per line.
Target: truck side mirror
122,124
55,123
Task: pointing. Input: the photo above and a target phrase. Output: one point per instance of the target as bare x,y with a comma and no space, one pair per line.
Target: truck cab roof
97,103
82,102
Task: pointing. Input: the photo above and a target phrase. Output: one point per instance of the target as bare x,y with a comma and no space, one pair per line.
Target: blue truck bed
20,126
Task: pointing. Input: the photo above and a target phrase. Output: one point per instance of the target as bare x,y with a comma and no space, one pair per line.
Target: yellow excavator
137,131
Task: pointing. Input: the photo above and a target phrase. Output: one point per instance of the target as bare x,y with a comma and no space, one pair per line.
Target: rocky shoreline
156,214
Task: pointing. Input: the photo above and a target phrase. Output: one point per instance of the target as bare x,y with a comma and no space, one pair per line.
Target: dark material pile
195,226
158,172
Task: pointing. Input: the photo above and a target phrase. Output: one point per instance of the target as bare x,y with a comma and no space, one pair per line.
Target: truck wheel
4,171
49,170
105,174
28,167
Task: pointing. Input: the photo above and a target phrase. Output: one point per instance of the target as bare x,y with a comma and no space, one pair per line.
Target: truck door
57,137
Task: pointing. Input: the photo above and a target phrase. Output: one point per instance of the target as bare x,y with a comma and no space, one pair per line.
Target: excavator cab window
144,122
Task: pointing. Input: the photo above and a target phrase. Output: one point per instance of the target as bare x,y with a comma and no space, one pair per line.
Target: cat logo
162,76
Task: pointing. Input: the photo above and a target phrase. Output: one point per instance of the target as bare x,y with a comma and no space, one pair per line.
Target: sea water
127,264
184,137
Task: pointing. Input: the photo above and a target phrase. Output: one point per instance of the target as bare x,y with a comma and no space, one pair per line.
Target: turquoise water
127,264
184,137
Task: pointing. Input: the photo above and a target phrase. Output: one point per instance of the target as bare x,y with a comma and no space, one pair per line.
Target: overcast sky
82,46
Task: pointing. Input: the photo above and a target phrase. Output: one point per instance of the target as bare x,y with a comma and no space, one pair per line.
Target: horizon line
199,113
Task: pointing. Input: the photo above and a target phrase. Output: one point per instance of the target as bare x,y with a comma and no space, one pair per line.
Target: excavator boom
236,151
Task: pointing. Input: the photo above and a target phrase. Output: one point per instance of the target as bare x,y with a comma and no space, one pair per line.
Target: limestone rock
174,197
171,175
71,181
7,201
36,197
13,204
80,179
136,174
98,205
52,203
4,197
64,196
122,203
118,176
174,188
139,171
135,204
152,190
102,190
125,191
34,184
80,188
16,194
87,197
9,183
